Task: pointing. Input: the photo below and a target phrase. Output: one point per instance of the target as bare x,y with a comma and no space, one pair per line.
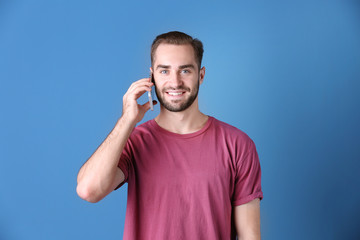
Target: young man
190,176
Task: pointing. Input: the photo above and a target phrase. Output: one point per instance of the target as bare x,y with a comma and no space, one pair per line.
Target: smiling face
177,76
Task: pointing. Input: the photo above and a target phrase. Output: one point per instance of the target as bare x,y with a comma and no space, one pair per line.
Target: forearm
98,175
247,220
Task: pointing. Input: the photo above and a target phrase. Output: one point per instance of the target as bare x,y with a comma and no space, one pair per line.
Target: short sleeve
125,162
248,177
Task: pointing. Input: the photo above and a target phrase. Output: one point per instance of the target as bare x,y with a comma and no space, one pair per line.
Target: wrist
126,122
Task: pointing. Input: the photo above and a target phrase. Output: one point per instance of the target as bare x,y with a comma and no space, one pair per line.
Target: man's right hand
100,175
132,111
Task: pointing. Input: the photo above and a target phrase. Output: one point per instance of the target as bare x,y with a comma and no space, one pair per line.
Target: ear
202,74
151,70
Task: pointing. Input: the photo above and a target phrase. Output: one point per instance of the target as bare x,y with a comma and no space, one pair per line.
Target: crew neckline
178,135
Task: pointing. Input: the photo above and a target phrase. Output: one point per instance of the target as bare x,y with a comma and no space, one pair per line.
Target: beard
178,105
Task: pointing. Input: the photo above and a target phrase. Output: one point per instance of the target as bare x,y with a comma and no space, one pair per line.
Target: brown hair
178,38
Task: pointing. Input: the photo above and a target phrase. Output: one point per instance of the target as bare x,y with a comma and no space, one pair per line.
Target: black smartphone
152,78
149,93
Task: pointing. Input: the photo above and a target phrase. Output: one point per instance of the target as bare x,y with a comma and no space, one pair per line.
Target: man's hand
132,111
100,174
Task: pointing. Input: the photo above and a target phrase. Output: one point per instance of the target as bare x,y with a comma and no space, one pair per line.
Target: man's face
177,76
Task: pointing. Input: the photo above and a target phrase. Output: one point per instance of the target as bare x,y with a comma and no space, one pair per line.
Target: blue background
285,72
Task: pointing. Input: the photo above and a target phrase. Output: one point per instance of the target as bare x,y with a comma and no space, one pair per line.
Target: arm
100,174
247,220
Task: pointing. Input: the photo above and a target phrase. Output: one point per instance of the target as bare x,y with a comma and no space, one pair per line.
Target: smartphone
149,93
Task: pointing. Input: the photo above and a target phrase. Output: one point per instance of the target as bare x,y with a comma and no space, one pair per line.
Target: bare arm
100,174
247,220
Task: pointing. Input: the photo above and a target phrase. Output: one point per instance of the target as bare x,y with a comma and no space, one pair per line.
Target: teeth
175,94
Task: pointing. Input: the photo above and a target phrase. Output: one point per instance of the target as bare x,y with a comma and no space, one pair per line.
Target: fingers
141,82
146,106
133,111
139,87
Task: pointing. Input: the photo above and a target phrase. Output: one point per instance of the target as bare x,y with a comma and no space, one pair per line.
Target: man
189,175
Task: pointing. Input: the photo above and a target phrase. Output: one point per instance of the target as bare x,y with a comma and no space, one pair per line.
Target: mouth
176,93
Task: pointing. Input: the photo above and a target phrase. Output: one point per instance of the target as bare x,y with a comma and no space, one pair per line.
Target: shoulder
144,127
230,131
233,140
141,131
140,137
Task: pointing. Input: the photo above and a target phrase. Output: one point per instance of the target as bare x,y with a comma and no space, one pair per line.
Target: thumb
146,106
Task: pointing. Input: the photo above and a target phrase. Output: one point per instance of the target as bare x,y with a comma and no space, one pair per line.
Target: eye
185,71
164,71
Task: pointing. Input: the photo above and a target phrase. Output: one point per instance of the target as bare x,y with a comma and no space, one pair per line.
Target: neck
187,121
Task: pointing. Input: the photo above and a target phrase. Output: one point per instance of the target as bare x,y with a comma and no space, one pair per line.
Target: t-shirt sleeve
248,177
125,162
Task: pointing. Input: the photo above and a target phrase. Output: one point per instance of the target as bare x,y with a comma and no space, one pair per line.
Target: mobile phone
149,94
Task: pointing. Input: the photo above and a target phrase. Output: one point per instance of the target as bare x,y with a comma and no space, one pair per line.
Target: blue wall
285,72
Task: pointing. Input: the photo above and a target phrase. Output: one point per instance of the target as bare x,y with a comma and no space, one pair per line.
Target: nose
176,80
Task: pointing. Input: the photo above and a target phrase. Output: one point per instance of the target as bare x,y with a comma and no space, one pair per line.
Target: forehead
171,54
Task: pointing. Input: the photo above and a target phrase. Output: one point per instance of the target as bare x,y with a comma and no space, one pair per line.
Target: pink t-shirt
183,186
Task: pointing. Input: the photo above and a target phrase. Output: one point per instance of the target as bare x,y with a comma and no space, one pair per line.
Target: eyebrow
162,66
180,67
187,66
